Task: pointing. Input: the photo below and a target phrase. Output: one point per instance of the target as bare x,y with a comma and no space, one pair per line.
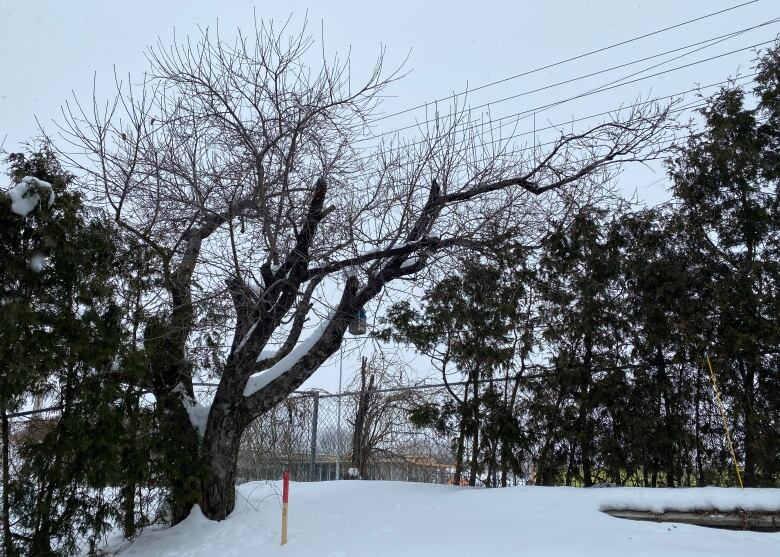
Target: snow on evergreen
24,197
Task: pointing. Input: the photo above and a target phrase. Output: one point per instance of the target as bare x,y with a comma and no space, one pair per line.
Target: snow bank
259,380
24,197
359,519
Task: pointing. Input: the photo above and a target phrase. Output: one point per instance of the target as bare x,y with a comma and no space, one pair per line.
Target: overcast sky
52,50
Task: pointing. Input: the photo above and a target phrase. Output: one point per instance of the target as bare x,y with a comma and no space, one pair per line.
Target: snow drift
358,519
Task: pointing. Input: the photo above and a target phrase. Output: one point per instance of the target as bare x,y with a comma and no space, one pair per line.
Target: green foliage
625,304
727,182
468,325
61,337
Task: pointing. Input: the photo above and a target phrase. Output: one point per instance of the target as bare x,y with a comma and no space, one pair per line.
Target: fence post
315,413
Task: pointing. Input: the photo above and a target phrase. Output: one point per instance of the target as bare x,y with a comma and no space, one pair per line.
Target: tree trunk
570,469
219,490
584,419
667,444
504,463
222,440
697,416
542,466
749,377
460,447
128,490
475,439
360,451
8,546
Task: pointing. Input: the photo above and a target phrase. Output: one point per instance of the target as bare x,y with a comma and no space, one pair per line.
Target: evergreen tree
580,401
727,182
469,325
60,335
660,282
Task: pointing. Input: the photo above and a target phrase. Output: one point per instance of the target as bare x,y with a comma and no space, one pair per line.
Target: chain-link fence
366,434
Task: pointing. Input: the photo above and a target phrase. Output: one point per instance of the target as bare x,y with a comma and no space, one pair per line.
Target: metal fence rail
313,435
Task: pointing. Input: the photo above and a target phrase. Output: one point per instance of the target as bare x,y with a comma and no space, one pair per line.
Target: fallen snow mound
358,519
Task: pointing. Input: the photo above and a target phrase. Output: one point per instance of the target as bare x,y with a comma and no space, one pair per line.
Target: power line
568,122
606,87
571,59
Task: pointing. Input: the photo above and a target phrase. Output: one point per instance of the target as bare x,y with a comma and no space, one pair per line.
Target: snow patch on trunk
247,335
197,412
259,380
265,355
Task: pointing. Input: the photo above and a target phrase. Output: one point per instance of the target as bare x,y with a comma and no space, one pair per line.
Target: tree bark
667,443
129,464
8,546
697,417
219,490
475,438
360,455
584,419
460,447
748,388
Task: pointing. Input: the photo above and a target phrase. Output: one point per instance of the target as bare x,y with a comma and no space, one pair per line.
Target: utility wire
563,124
567,60
606,87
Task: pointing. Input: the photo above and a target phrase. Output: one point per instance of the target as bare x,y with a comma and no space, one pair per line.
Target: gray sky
53,49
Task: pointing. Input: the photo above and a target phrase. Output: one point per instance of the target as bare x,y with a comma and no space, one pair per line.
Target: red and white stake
285,499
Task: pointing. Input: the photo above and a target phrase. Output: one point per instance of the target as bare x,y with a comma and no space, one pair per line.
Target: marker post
285,499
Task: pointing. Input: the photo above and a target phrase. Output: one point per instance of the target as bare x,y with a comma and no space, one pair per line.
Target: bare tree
383,400
244,169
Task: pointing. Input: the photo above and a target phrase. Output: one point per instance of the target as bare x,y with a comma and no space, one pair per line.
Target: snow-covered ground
356,518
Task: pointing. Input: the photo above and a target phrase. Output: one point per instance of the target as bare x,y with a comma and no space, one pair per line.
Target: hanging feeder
359,325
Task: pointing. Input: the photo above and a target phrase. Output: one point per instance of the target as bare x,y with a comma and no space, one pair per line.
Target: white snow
359,519
197,412
37,262
247,335
409,262
259,380
691,499
265,355
23,196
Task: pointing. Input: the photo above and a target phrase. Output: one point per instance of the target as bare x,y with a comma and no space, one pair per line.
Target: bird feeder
359,325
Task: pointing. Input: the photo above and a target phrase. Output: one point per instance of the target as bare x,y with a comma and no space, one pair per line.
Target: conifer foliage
627,304
60,338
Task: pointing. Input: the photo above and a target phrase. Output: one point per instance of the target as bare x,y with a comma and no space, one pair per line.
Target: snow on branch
258,381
